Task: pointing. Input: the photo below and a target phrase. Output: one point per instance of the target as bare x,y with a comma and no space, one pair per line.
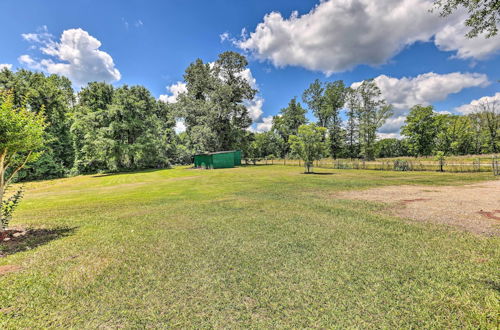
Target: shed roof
217,152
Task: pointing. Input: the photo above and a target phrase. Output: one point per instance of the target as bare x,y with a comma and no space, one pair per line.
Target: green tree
352,125
325,101
314,97
308,144
420,130
214,108
54,94
21,138
484,15
388,148
371,111
288,121
488,114
454,134
90,119
335,98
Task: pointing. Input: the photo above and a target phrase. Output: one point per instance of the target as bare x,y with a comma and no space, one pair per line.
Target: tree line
105,128
424,133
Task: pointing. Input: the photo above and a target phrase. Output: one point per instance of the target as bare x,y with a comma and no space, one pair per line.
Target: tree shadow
31,239
150,170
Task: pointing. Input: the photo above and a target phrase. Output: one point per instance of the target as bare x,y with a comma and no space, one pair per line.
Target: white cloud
452,37
391,127
180,126
426,88
5,66
255,108
473,105
175,90
76,56
265,125
224,36
337,35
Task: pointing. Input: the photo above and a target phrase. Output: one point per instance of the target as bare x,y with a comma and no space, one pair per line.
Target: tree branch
18,169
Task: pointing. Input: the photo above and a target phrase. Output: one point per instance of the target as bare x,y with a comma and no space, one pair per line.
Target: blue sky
417,57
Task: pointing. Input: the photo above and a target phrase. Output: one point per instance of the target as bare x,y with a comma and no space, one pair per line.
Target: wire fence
453,165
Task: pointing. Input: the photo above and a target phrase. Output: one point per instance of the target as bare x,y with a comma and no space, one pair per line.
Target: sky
415,56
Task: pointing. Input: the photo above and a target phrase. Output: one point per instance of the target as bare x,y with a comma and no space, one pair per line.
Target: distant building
221,159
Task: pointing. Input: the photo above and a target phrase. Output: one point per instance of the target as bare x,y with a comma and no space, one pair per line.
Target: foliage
371,112
484,15
214,107
308,144
122,129
55,96
420,130
401,165
440,157
325,101
287,123
388,148
21,138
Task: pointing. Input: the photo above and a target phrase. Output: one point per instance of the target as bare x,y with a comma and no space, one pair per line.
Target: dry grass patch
473,208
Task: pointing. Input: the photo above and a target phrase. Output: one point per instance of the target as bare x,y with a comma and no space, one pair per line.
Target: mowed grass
261,247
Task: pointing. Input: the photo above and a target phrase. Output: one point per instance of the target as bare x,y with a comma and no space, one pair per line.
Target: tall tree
484,15
454,134
420,130
288,122
90,118
214,107
488,113
21,138
314,97
335,98
372,112
352,125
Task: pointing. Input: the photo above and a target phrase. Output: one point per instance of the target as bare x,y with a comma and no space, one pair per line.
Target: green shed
221,159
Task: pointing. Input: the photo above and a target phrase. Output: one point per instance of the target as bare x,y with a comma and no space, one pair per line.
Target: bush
401,165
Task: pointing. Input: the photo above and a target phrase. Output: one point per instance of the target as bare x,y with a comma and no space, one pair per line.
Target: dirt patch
8,269
474,207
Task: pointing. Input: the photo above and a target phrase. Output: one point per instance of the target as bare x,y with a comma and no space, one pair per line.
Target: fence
453,165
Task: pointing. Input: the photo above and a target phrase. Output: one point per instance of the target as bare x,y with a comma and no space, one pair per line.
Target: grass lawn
262,246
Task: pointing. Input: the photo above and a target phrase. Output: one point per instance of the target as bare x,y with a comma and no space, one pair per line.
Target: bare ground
474,208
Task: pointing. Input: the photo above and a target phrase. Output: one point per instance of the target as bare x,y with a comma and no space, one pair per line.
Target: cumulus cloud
265,125
5,66
174,91
391,127
403,93
473,105
337,35
76,55
452,38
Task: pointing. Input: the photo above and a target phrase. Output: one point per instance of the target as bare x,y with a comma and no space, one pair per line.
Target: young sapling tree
21,138
309,144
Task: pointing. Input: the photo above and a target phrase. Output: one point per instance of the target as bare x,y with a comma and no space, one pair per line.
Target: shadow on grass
150,170
32,239
318,173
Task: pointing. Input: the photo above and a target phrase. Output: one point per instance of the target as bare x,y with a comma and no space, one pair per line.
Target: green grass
260,247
